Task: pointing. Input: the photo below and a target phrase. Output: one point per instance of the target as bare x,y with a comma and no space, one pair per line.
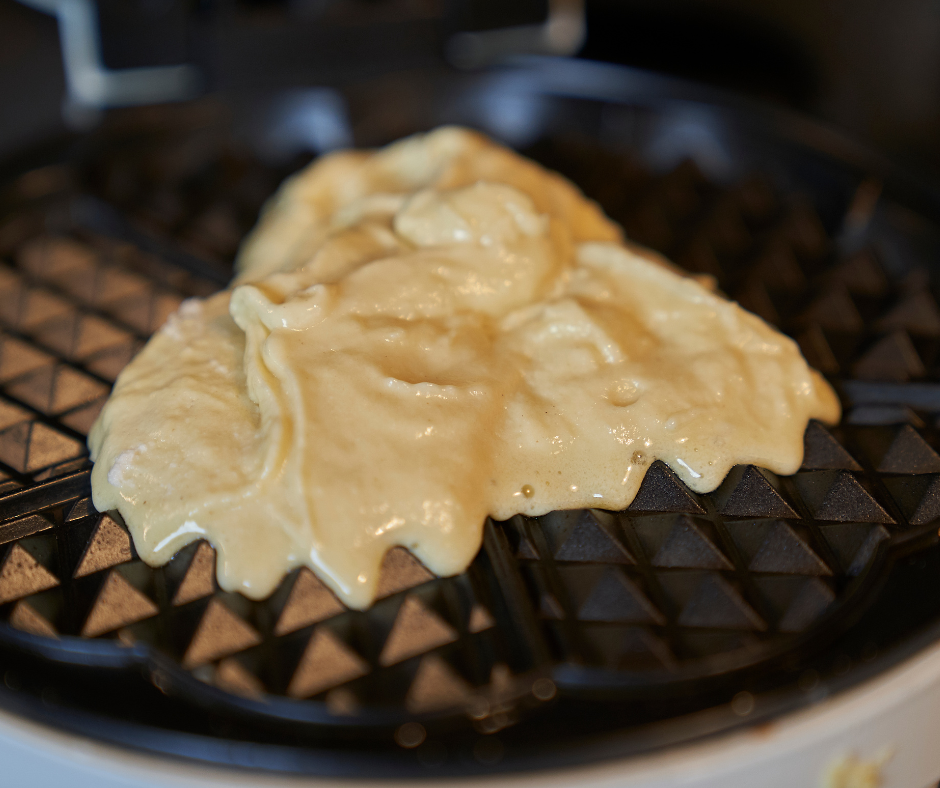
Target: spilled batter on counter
421,337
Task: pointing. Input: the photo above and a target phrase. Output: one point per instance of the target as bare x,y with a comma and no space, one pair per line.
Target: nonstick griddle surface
573,636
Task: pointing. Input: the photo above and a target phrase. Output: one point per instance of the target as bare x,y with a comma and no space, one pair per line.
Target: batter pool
418,338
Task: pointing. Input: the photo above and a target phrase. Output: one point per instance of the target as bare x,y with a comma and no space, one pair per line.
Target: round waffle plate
574,637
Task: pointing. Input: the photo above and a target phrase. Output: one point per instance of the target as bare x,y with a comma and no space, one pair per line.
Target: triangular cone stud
23,575
341,702
844,501
862,274
199,580
114,284
36,388
14,443
892,358
846,541
220,633
784,552
754,297
43,306
17,358
400,571
661,491
25,618
232,676
807,606
928,509
918,496
589,540
525,551
501,679
81,508
909,453
616,598
550,608
95,334
416,630
436,687
73,388
480,619
917,314
836,311
805,231
48,446
699,256
687,546
326,663
109,363
823,452
716,604
640,649
779,268
747,493
757,198
817,350
108,546
117,605
310,602
135,311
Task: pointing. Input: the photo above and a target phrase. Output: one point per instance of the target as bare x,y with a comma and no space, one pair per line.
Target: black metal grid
677,588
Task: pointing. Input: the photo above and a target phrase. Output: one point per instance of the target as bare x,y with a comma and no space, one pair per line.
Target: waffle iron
578,640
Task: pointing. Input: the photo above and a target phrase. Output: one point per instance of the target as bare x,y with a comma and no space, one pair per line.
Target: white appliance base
889,725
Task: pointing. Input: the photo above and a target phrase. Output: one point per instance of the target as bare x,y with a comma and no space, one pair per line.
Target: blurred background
869,68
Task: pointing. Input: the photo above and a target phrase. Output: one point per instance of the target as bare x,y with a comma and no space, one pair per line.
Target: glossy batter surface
419,338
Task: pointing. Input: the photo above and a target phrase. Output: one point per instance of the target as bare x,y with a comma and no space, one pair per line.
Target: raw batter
421,337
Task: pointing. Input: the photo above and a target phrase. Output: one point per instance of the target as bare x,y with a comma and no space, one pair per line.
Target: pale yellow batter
421,337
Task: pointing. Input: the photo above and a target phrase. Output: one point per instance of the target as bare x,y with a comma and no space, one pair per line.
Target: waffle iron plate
573,637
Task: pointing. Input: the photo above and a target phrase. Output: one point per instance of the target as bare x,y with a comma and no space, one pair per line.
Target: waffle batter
421,337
